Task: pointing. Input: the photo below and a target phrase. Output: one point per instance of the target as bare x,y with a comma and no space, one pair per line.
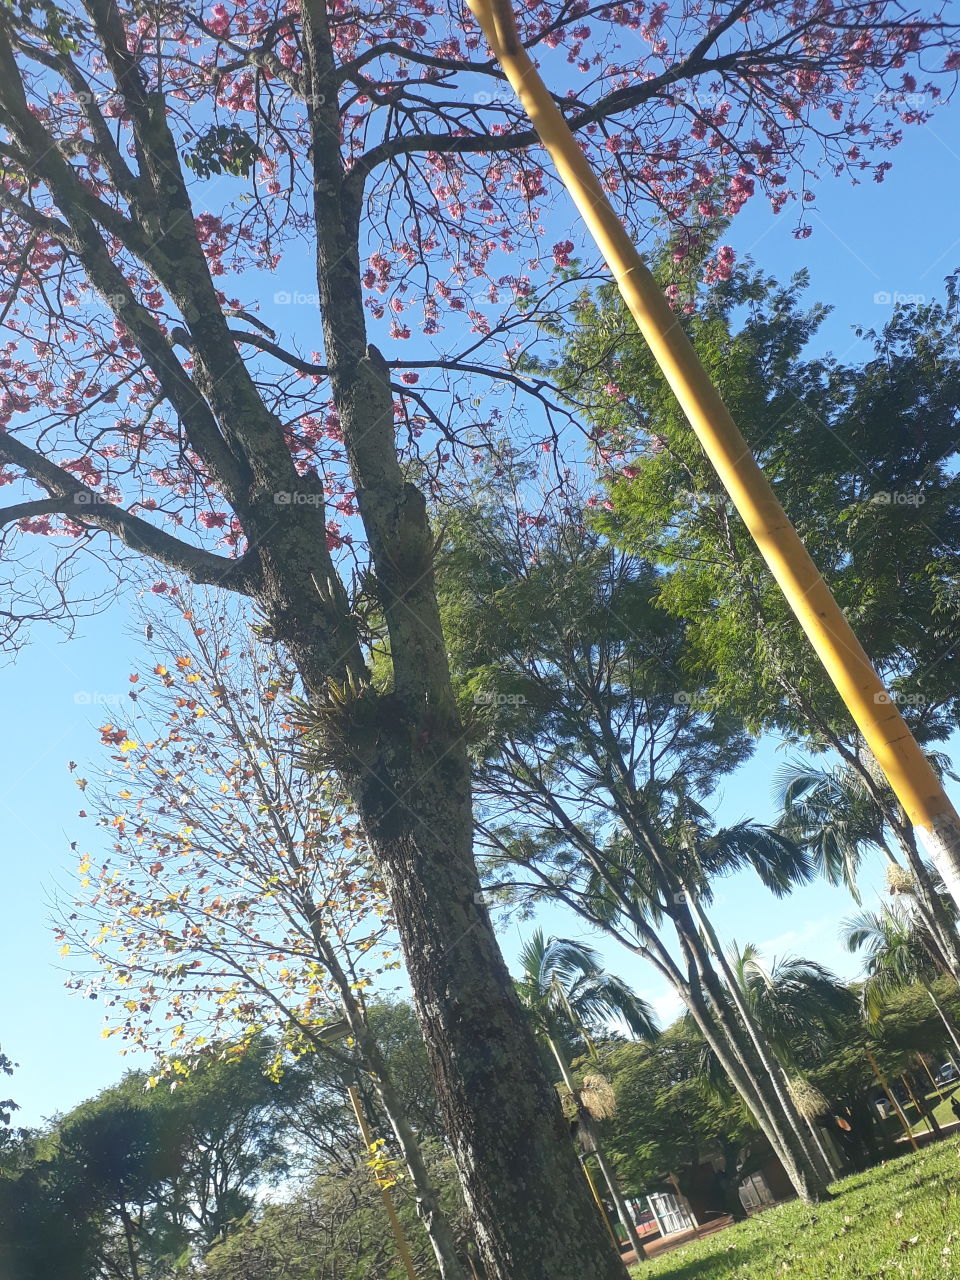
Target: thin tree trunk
792,1148
944,1017
927,902
800,1125
595,1148
726,1043
427,1200
128,1234
735,1064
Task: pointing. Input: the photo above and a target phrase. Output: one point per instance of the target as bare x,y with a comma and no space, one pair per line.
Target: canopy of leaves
667,1118
139,1180
862,457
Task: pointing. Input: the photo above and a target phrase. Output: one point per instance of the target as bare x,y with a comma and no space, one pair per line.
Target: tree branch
84,506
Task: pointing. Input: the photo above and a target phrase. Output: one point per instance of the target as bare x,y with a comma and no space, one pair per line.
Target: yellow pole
600,1205
907,769
402,1247
893,1102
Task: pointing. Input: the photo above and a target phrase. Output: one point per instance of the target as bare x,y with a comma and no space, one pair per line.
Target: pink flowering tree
165,169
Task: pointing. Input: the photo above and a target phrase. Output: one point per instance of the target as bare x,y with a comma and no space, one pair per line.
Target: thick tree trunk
402,757
532,1207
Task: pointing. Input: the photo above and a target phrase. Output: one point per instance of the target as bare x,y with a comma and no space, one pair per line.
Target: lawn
942,1109
900,1221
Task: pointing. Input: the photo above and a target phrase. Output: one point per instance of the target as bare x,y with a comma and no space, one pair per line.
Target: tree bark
427,1200
403,761
944,1016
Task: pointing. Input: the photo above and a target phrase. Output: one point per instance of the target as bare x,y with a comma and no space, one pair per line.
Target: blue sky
900,237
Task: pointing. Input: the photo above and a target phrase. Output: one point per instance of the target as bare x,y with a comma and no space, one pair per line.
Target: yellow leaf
65,949
128,744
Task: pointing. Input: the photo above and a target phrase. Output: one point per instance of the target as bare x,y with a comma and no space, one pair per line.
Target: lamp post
907,769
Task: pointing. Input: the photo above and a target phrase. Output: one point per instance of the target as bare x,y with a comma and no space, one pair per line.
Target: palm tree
691,855
795,1000
569,995
781,864
833,813
790,999
899,954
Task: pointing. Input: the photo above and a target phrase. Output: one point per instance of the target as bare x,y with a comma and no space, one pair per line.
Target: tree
898,954
593,758
669,1120
136,1182
567,991
7,1107
854,451
334,1229
246,896
794,997
838,817
215,448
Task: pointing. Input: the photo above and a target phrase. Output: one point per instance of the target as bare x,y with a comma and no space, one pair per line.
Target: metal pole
907,769
600,1205
403,1249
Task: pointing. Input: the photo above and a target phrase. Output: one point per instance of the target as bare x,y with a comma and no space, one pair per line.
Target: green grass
943,1112
900,1221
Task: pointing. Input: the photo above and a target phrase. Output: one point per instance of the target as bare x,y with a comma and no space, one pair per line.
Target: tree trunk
791,1146
818,1155
729,1184
721,1034
930,907
402,758
944,1017
594,1147
427,1200
735,1063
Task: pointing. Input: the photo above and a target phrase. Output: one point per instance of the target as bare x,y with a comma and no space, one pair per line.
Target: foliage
138,1180
794,999
220,451
227,857
336,1229
667,1118
897,953
566,990
860,456
7,1105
